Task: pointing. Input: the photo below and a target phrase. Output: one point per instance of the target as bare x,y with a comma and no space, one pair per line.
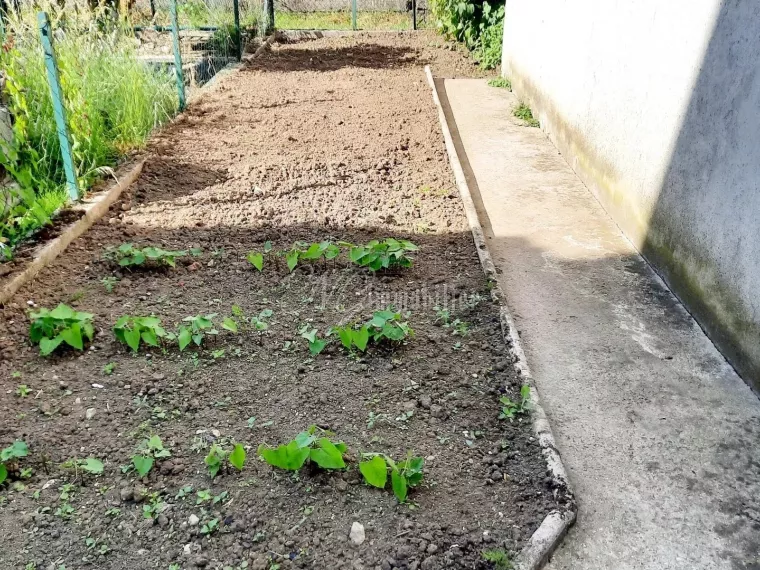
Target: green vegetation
147,452
313,445
478,24
217,455
196,330
63,324
9,458
524,113
127,255
113,101
499,558
510,409
404,474
387,254
501,82
133,330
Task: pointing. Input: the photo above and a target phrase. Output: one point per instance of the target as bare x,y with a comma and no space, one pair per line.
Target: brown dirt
332,139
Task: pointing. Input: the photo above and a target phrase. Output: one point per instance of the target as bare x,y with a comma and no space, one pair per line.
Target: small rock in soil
357,533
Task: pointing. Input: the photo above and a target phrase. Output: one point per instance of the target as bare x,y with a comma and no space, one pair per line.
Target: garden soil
333,139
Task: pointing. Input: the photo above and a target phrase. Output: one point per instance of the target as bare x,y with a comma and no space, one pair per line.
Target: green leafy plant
127,255
313,445
148,451
22,390
500,82
405,474
196,330
352,336
256,258
133,330
153,506
9,458
210,527
524,113
499,558
109,368
63,324
217,455
387,326
89,465
240,320
109,282
316,344
509,408
387,254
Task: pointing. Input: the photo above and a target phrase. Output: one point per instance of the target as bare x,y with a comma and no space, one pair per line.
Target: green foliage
383,326
9,457
524,113
127,255
63,324
108,283
113,101
478,24
404,474
239,319
387,254
510,409
196,330
109,368
22,390
90,465
217,455
133,330
500,82
313,445
147,452
499,558
316,344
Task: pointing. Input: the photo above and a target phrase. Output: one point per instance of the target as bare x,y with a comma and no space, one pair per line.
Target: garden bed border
555,525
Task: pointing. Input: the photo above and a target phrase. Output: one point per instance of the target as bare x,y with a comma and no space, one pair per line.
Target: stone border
556,524
98,204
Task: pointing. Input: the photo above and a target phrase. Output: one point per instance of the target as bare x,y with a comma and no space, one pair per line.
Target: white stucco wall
656,105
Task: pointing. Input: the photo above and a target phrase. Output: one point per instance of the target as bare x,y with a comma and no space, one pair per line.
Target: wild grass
113,101
524,113
341,20
501,82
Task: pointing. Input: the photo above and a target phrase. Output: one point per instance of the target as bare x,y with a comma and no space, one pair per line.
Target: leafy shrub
127,255
478,24
132,330
63,324
313,445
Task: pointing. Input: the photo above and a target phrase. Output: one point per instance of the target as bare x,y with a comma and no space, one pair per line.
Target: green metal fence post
414,14
270,24
353,14
59,110
239,35
177,55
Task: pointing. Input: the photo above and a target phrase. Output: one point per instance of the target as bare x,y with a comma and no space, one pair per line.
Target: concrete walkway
661,438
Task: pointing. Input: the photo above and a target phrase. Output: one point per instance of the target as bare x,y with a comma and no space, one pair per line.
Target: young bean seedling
256,258
510,409
147,452
63,324
217,454
404,474
196,330
383,326
133,330
312,445
387,254
127,255
316,344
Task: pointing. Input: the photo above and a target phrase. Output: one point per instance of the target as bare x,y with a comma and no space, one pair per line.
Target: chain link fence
347,15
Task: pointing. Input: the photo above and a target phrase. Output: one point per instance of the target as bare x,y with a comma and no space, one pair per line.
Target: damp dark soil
331,139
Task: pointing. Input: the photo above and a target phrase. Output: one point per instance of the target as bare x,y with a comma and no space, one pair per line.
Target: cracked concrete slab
660,436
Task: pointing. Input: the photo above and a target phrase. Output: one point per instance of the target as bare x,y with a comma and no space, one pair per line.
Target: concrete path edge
556,524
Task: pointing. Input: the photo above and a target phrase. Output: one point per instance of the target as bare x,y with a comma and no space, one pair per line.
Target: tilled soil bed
335,139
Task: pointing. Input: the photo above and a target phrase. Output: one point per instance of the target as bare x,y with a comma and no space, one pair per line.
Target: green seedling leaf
183,338
327,455
237,457
230,325
290,457
3,473
92,465
256,259
291,258
48,345
360,338
317,346
375,471
16,450
143,464
398,482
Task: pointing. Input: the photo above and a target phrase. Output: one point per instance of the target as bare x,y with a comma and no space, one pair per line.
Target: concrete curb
94,208
556,524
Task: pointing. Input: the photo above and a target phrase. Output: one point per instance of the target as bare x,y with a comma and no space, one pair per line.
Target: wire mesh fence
348,14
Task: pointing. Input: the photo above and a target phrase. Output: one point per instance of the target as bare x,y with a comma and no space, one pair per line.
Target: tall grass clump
113,101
